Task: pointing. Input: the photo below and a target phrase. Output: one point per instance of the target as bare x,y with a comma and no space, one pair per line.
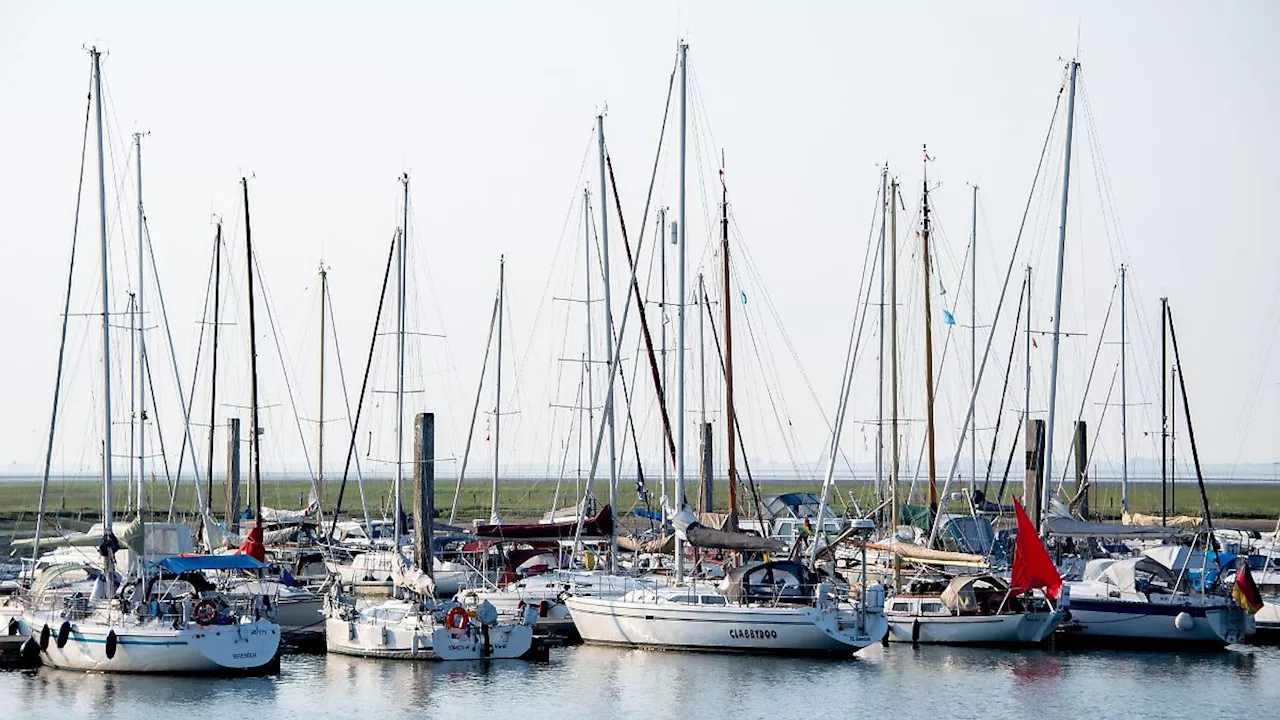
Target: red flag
1246,592
1032,567
253,546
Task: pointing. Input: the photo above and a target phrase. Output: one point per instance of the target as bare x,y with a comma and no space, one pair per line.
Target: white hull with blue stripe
1139,602
153,646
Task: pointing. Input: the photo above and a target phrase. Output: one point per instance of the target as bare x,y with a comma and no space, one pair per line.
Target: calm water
586,682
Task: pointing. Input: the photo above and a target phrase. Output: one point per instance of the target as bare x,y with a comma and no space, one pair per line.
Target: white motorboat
773,607
970,610
1141,603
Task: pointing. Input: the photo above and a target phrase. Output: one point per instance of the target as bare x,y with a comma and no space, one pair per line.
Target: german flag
1245,591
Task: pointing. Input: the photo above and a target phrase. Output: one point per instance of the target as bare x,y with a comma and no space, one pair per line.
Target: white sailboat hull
417,642
722,628
158,648
1011,629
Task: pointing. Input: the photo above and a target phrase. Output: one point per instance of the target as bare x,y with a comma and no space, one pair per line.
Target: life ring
206,612
457,618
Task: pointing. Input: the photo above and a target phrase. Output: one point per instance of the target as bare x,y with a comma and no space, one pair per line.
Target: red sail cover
253,546
1246,592
601,525
1032,567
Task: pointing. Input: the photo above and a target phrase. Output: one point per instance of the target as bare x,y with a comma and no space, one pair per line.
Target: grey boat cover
699,535
1070,527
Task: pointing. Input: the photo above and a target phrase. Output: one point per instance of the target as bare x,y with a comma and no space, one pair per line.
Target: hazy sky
490,107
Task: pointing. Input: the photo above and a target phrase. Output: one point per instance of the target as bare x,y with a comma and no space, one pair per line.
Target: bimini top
187,563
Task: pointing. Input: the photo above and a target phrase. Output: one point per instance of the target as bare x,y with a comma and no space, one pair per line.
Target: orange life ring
206,612
457,618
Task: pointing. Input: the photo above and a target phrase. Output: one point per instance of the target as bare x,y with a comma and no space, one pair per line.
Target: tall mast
586,234
702,352
884,216
497,390
1164,410
680,321
1057,295
132,311
928,355
608,348
140,369
893,372
1026,401
662,315
1124,402
731,446
324,285
400,306
213,375
973,337
107,515
255,428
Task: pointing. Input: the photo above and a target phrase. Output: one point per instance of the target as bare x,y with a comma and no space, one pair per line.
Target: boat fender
206,612
30,649
1066,615
64,632
915,632
44,637
457,618
1184,622
543,608
13,626
112,642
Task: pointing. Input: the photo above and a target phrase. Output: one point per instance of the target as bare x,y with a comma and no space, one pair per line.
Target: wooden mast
254,429
928,355
730,429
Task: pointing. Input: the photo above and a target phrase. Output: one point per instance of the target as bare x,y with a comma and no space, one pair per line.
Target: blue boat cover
181,564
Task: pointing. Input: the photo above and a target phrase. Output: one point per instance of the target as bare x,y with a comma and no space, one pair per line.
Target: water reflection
616,684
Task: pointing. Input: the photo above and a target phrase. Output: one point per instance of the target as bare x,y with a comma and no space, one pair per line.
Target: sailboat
156,618
780,606
413,624
545,591
984,609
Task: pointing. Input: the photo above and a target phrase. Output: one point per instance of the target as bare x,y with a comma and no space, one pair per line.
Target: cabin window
901,607
712,600
931,607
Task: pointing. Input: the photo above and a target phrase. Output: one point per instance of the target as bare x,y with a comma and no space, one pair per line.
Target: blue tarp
178,565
